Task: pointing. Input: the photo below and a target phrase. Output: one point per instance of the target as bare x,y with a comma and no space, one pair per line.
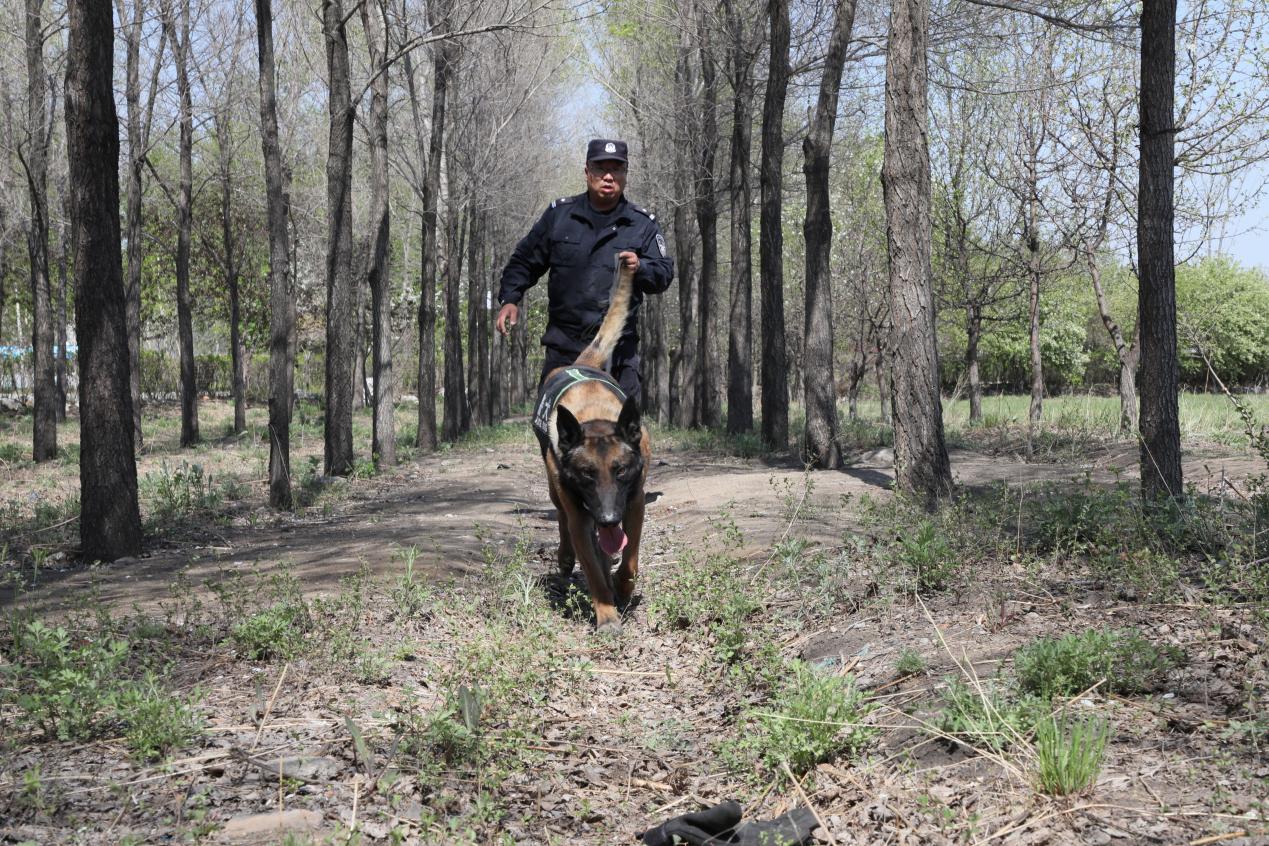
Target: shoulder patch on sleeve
661,245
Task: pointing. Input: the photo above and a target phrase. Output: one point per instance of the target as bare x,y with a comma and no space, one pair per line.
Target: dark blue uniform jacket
579,247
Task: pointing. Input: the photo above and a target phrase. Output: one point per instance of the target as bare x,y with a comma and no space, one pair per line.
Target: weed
174,494
925,551
812,717
988,716
409,594
274,633
1127,662
910,663
63,686
157,721
1069,754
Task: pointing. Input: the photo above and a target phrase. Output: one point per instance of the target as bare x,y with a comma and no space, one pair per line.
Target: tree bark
455,419
383,431
1156,303
821,446
67,251
709,375
340,294
920,454
973,335
281,299
1034,274
184,221
229,265
441,68
110,520
684,396
34,156
740,326
775,392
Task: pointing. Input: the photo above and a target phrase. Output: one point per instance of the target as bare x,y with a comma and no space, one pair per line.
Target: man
579,239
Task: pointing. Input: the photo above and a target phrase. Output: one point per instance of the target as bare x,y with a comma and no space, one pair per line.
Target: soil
632,738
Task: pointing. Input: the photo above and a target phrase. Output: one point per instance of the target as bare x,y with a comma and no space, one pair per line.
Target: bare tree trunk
822,449
1125,354
475,390
1156,309
184,222
740,326
137,139
684,410
229,263
341,297
110,520
383,437
709,375
67,250
34,156
455,420
775,392
974,334
281,299
441,69
920,454
656,360
1034,273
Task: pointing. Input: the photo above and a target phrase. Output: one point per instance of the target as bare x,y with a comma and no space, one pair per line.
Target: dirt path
450,506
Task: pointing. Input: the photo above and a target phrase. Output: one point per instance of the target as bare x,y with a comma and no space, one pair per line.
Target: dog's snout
608,519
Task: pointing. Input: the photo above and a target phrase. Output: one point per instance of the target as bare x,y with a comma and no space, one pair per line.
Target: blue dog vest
554,387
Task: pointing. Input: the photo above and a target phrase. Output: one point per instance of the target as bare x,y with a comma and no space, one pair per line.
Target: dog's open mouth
612,539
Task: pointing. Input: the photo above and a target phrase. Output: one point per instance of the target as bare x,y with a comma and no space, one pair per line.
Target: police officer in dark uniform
578,239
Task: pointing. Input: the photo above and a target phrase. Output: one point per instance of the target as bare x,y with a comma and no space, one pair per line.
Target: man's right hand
507,317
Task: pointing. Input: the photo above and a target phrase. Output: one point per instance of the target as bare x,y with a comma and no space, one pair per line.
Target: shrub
989,717
157,721
1065,666
925,550
177,493
63,687
812,718
276,632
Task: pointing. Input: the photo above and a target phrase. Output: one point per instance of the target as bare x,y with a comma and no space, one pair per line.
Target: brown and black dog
596,454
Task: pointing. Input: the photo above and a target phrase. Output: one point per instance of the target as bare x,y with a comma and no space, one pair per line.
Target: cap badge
610,147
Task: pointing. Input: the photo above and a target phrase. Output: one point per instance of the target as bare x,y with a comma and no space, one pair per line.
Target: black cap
600,149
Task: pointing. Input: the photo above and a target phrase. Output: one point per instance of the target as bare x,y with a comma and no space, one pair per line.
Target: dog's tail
600,349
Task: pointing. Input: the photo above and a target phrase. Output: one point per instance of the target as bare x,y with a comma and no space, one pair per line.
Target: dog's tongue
612,539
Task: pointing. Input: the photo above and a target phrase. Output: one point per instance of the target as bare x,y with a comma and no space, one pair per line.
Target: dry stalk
797,785
264,718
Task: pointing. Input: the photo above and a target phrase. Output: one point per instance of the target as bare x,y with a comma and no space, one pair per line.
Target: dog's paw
612,628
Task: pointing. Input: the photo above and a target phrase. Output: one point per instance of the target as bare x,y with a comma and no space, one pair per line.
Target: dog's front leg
565,558
632,524
595,569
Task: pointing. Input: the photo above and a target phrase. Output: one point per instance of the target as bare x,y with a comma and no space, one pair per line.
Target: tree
709,374
775,392
821,447
741,53
110,519
281,298
34,157
139,124
1156,310
184,201
383,438
920,454
340,294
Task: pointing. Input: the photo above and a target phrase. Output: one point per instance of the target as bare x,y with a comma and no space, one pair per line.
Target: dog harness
549,397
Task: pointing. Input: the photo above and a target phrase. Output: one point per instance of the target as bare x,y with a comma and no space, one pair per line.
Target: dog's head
601,462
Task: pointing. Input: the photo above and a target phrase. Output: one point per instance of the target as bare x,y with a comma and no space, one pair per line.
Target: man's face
605,178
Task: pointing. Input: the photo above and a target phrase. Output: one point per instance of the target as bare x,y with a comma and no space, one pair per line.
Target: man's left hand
629,260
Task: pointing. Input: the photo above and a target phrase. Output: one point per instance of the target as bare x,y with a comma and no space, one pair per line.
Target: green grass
1122,661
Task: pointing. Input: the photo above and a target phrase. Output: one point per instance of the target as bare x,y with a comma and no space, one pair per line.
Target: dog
596,453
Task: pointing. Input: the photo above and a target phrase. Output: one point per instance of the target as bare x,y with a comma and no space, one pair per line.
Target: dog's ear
568,429
628,426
